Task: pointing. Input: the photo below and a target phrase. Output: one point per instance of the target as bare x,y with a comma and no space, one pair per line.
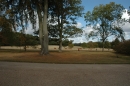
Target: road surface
40,74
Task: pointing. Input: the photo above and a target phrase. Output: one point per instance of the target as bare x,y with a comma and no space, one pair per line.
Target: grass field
66,57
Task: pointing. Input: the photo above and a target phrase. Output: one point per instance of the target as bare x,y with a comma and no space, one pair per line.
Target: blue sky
89,5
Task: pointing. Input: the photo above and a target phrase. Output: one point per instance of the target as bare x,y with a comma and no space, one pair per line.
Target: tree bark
40,29
60,42
60,24
103,46
45,30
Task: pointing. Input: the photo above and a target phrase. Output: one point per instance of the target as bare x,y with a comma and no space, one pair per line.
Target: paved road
38,74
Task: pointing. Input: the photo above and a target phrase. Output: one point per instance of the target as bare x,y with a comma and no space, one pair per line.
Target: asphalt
39,74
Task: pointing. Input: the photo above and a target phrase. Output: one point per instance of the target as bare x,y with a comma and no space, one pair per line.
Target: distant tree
90,44
123,47
107,44
77,44
53,41
105,21
115,42
65,42
99,44
84,45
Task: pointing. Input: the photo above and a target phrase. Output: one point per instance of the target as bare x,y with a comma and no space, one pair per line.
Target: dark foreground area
38,74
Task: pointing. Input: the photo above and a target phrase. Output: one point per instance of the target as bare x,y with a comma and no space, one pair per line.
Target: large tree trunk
60,26
45,30
40,29
60,42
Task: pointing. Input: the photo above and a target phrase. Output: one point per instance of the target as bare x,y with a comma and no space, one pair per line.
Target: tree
65,42
70,45
45,31
107,44
64,13
84,45
123,47
6,31
115,42
22,11
105,20
90,44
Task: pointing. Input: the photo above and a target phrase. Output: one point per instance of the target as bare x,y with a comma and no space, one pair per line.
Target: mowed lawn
65,57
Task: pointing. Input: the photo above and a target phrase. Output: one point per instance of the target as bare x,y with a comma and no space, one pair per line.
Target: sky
88,6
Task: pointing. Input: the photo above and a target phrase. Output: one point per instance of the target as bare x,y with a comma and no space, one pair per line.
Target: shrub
123,47
84,45
70,46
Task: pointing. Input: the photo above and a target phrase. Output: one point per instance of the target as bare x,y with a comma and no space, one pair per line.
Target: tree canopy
105,21
20,12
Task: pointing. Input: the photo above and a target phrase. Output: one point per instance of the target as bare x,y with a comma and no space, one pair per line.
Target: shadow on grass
65,57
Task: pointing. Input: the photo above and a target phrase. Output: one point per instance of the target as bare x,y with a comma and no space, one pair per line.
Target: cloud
126,27
127,35
82,38
30,30
79,25
78,39
87,30
125,14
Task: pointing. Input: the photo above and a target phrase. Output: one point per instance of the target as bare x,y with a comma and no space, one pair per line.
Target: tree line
57,20
62,13
18,39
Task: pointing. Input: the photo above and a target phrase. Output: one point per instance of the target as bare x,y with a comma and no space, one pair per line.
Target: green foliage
107,44
84,45
65,42
104,19
77,44
64,13
115,43
92,44
123,47
6,32
99,44
18,39
70,45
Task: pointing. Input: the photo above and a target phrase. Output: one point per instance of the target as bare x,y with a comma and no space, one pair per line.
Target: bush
123,47
70,46
84,45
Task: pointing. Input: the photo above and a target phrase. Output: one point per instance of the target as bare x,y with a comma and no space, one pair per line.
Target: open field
67,57
52,47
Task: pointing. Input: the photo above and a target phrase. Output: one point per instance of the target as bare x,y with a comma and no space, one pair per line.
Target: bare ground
81,57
